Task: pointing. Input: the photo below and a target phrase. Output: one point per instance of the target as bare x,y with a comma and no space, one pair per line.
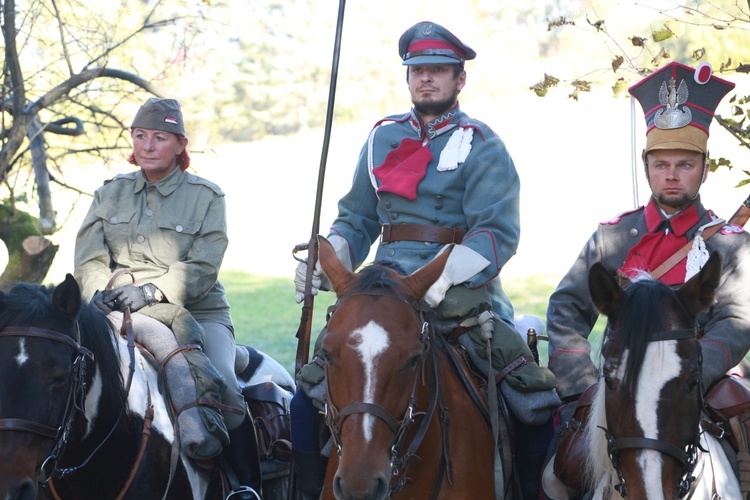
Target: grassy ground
267,317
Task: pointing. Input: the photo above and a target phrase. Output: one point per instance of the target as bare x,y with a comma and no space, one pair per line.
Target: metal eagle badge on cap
673,117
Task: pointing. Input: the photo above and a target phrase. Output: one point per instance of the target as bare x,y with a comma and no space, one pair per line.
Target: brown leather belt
419,232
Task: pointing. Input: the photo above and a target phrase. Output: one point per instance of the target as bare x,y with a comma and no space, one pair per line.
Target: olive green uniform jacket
171,233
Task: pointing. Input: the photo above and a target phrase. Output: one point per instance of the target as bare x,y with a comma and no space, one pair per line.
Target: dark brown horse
402,421
644,434
68,427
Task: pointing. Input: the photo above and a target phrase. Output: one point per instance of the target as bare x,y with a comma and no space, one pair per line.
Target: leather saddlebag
728,403
269,406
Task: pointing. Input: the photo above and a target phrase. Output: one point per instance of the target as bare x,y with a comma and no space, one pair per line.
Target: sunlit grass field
267,317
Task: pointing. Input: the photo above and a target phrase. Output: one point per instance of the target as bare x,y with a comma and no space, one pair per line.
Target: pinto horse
402,421
81,412
644,433
66,420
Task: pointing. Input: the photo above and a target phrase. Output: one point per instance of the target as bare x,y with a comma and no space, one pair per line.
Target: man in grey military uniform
426,179
678,102
646,237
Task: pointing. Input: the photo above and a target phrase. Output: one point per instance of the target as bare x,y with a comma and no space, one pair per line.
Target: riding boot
532,443
309,470
242,457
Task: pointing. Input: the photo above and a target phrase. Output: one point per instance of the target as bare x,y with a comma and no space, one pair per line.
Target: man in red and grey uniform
426,179
678,103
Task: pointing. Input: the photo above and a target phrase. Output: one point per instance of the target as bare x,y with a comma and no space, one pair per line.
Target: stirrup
241,490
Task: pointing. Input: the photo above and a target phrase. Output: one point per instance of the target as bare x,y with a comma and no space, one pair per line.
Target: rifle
741,216
305,328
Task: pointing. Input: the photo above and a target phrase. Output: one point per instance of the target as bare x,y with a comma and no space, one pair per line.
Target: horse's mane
28,304
379,276
641,315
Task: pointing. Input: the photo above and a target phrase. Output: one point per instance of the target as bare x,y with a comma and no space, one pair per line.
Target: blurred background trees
75,72
711,31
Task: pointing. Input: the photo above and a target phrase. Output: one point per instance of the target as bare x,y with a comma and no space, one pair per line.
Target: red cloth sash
404,168
655,247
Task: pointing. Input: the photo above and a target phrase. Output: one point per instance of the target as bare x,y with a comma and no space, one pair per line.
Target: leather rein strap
126,332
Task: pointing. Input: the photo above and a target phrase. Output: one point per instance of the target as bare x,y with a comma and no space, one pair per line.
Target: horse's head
43,376
651,373
374,352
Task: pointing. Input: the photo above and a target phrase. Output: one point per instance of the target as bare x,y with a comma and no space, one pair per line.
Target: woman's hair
183,159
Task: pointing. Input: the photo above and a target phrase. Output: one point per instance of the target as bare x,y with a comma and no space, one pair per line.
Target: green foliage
15,226
657,37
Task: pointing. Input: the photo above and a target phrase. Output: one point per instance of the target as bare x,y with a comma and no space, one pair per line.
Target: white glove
319,280
463,264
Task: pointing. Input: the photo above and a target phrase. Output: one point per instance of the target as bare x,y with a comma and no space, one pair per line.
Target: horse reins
688,458
399,462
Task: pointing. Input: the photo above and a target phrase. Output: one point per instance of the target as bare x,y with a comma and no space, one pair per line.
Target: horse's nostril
381,488
26,490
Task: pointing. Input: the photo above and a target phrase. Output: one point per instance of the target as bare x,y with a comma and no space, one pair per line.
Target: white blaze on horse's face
661,364
91,404
22,357
370,342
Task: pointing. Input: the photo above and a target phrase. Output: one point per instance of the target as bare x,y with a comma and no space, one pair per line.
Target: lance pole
305,328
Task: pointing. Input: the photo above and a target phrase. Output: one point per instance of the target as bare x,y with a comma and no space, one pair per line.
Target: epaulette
393,118
727,228
479,126
732,229
129,176
617,218
194,179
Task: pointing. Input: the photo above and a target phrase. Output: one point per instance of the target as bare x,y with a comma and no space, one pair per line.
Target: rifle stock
304,332
741,216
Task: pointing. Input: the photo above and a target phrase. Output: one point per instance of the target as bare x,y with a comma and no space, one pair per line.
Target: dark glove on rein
98,301
133,296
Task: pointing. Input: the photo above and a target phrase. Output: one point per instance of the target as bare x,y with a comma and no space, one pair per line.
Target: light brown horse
403,424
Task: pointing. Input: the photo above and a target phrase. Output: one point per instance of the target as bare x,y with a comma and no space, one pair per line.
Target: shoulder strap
682,252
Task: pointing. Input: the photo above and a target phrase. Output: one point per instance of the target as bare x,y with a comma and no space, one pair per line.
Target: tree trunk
30,254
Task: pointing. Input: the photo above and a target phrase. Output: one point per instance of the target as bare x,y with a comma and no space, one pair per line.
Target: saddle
728,405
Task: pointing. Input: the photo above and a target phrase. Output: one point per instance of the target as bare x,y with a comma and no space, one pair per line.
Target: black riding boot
309,470
242,457
532,443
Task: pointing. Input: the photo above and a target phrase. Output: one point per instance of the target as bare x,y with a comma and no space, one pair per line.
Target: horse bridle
76,392
688,457
399,461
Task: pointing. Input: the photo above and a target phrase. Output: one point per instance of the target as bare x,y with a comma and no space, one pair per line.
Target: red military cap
679,103
429,43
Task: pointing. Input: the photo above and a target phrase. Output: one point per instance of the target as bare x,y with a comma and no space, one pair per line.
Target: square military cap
428,43
679,103
160,114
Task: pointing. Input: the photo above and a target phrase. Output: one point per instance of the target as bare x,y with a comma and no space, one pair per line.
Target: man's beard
435,108
680,202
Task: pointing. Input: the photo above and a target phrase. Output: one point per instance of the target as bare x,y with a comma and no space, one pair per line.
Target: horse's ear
605,290
67,296
698,293
418,282
339,276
